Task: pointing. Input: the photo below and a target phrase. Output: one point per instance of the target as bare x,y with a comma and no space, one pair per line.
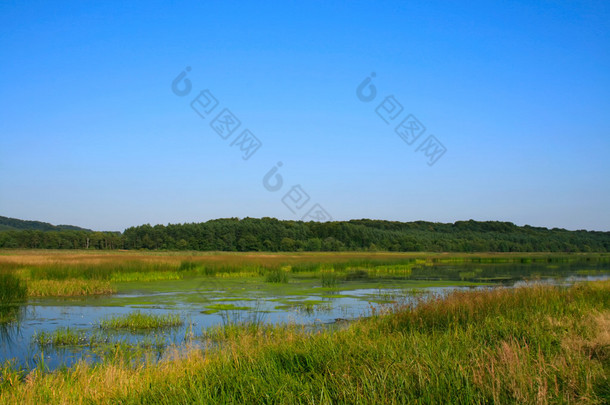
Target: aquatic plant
61,337
68,288
12,289
138,320
329,279
276,276
13,292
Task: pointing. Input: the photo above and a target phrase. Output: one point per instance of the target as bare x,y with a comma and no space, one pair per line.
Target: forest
273,235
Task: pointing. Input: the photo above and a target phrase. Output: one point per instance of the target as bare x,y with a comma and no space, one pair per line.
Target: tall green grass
12,289
276,276
13,292
101,271
68,288
329,279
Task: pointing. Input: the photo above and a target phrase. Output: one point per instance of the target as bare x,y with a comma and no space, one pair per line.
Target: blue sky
518,93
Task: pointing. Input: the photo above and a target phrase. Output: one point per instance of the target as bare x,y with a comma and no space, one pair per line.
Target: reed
276,276
12,289
68,288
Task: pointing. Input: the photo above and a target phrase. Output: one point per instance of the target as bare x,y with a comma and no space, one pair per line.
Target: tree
287,244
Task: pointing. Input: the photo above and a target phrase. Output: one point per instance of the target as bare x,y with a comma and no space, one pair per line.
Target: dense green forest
269,234
13,224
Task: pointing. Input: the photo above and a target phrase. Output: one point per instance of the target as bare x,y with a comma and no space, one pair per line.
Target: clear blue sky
518,92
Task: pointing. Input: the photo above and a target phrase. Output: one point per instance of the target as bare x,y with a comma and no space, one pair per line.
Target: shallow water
204,302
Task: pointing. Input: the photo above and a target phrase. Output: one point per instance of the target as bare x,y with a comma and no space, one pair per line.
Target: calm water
206,302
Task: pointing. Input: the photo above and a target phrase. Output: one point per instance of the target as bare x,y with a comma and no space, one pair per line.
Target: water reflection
10,317
12,306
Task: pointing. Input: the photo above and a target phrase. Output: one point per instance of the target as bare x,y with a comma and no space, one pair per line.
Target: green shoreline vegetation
535,344
85,273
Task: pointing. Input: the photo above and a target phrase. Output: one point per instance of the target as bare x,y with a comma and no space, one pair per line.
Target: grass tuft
276,276
61,337
68,288
141,321
329,279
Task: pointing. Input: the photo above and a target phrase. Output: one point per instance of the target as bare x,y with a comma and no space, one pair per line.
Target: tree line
270,234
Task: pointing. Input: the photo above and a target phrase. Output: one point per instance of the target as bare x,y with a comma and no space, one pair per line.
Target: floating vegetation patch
232,299
214,308
302,304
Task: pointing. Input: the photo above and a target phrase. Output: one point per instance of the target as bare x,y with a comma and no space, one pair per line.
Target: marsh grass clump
276,276
329,279
101,344
188,265
61,337
12,289
69,288
141,321
13,293
209,271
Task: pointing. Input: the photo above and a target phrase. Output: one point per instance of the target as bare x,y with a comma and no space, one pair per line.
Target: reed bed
12,289
69,288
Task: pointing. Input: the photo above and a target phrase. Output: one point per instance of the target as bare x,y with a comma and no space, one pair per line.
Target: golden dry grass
96,257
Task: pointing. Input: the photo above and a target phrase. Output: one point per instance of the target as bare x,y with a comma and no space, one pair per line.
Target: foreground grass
539,344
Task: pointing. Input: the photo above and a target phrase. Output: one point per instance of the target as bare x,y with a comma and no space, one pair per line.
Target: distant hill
13,224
